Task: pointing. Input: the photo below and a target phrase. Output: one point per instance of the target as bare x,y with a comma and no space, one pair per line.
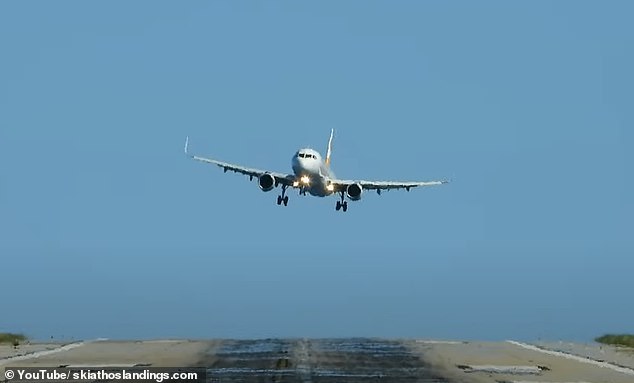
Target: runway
323,360
344,360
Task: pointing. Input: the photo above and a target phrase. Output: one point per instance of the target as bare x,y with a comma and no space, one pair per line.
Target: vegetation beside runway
13,339
617,339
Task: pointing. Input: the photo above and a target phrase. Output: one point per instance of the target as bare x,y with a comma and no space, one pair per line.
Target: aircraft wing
281,178
341,185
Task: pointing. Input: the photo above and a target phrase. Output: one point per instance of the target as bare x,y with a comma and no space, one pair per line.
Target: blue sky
106,229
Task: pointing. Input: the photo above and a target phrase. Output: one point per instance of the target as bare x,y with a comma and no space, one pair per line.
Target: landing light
330,187
305,180
295,184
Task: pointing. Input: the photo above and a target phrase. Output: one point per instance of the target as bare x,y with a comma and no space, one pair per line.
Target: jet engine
354,191
266,182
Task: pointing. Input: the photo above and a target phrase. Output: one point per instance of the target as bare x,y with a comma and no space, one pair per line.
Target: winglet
329,151
187,146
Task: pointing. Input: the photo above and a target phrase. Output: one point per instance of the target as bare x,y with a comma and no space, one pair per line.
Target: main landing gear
282,198
342,204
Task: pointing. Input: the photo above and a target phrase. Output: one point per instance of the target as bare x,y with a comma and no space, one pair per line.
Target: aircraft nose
308,164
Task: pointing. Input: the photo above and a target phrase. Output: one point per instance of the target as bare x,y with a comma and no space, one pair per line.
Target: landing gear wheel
282,199
342,204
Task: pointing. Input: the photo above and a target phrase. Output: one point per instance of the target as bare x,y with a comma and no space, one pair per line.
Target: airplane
312,175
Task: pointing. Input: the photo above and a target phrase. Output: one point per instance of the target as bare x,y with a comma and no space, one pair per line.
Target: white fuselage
312,174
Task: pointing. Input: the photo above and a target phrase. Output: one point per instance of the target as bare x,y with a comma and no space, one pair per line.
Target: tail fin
329,151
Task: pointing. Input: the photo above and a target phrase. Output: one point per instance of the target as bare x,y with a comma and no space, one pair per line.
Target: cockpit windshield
306,155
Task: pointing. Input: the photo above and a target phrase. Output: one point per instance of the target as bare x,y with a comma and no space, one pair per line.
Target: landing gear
342,205
283,199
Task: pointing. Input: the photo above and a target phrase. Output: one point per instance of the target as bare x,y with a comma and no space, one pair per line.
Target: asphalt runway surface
344,360
323,360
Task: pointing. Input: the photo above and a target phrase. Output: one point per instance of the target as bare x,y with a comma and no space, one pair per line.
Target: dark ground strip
317,361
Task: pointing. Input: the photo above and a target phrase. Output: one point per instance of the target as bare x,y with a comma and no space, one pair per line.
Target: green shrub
12,339
617,339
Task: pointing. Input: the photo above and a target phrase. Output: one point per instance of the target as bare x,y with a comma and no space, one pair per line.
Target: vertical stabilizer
329,151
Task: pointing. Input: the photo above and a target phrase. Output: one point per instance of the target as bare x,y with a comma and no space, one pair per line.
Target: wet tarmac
317,360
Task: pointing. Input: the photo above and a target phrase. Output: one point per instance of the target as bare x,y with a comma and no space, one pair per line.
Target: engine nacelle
354,191
266,182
